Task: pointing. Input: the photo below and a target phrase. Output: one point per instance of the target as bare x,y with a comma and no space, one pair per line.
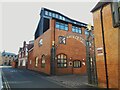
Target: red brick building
23,56
59,46
30,56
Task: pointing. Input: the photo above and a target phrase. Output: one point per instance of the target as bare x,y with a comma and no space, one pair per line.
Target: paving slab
71,81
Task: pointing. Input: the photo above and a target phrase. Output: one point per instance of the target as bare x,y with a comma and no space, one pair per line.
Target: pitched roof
8,54
100,4
30,46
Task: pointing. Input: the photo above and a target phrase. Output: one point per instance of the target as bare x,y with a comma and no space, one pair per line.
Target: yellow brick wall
111,43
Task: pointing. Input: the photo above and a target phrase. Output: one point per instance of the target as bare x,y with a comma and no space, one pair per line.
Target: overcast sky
18,20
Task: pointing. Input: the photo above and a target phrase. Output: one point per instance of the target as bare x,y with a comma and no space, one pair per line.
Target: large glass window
77,64
36,61
61,26
61,61
66,27
43,61
57,25
76,29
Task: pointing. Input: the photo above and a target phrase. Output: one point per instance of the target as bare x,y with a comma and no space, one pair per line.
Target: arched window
43,61
61,61
36,61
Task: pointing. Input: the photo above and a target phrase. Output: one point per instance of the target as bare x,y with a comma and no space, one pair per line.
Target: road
20,78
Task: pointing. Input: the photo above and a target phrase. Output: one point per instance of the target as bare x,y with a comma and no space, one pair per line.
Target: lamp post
53,54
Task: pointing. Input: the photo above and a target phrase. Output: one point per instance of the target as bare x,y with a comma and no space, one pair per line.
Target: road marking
7,86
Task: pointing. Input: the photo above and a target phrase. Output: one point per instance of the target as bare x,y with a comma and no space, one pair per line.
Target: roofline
63,15
30,49
96,8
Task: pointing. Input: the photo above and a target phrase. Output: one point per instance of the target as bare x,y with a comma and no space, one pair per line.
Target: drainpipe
53,54
104,47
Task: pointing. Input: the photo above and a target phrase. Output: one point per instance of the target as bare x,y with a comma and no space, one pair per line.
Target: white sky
18,20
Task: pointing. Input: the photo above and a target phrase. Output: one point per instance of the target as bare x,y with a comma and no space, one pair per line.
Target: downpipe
104,48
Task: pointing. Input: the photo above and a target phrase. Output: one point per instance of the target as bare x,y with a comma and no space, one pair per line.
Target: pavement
71,81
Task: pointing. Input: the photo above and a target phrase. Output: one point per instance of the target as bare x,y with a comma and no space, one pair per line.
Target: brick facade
111,43
74,50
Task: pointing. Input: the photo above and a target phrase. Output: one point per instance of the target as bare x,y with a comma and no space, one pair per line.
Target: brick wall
111,43
74,49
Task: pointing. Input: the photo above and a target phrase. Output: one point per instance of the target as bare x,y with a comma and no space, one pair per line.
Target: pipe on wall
104,47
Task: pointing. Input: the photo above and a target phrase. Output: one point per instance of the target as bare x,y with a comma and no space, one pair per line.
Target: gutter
104,47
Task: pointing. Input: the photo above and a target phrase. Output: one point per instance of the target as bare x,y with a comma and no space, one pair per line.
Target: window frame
61,42
36,61
61,26
46,13
62,61
43,64
76,29
78,65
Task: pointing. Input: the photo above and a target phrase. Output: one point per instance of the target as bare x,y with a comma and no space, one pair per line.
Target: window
62,61
62,40
36,61
53,15
40,42
86,32
46,12
73,29
76,29
57,25
61,26
50,14
30,61
43,61
77,64
60,17
66,27
116,13
56,15
64,18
